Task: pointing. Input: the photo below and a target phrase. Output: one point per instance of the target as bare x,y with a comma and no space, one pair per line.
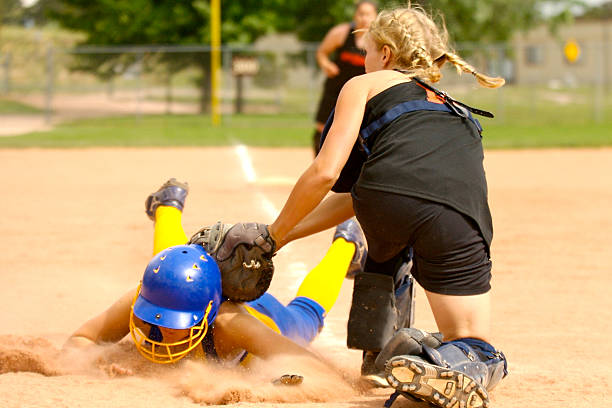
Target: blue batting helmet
180,289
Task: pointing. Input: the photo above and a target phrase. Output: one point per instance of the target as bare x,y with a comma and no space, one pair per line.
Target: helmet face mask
166,352
181,293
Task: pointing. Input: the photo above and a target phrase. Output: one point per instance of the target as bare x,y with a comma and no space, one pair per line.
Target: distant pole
50,85
215,60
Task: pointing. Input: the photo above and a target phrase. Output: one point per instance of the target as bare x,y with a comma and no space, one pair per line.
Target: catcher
179,309
407,160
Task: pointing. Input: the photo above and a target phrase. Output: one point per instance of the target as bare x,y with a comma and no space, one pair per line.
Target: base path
75,237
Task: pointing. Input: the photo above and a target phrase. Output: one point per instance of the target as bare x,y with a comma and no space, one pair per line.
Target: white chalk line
296,269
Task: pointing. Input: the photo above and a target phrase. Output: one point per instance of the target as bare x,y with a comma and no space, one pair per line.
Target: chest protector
437,101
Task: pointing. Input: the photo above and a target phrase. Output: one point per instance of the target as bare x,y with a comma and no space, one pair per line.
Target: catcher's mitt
244,254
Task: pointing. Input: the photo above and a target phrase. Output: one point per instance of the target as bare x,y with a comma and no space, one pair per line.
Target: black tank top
431,155
350,59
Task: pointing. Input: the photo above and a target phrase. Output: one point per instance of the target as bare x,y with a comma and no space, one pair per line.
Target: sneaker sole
437,385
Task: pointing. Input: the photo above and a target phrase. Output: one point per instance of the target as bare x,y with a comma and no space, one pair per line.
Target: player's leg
344,258
457,373
453,266
165,207
303,318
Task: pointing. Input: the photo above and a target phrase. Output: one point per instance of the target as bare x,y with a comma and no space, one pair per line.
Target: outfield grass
174,130
8,106
278,131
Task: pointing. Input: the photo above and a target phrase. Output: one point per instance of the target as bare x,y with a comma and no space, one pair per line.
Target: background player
348,60
178,309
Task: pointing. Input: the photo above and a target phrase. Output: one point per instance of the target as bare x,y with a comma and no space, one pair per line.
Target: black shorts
450,256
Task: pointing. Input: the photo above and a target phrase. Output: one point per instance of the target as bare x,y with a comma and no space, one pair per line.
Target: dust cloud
201,382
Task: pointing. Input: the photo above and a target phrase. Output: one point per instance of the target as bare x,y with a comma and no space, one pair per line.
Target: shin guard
476,358
373,316
404,295
407,341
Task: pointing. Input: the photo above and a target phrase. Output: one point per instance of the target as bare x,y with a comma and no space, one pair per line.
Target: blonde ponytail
462,66
419,46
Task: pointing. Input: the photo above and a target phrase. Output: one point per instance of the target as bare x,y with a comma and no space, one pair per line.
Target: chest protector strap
443,103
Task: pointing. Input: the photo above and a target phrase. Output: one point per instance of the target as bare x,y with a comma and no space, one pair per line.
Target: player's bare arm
334,209
236,330
332,41
320,176
109,326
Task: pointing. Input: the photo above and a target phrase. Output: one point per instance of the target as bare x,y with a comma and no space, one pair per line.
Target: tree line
186,22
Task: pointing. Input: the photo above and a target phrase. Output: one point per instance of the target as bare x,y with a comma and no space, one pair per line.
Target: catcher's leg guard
407,341
373,316
172,193
405,293
461,372
460,354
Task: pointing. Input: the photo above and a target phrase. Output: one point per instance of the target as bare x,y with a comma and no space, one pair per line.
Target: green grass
512,136
175,130
281,131
12,107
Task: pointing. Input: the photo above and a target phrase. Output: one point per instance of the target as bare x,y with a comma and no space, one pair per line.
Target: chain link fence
63,84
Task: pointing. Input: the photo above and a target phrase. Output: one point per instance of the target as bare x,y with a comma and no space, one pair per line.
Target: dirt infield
75,237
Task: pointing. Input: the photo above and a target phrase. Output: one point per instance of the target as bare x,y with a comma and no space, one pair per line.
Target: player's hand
331,69
115,370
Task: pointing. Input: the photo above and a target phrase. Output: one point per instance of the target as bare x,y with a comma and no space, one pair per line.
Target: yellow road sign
571,51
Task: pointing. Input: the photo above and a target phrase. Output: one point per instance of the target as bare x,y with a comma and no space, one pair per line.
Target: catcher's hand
244,254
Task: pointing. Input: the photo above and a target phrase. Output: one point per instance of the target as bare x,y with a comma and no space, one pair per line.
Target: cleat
435,384
449,388
415,368
172,194
371,374
351,231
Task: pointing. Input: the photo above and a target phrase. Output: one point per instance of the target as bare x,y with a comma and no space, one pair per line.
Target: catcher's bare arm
316,182
336,208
